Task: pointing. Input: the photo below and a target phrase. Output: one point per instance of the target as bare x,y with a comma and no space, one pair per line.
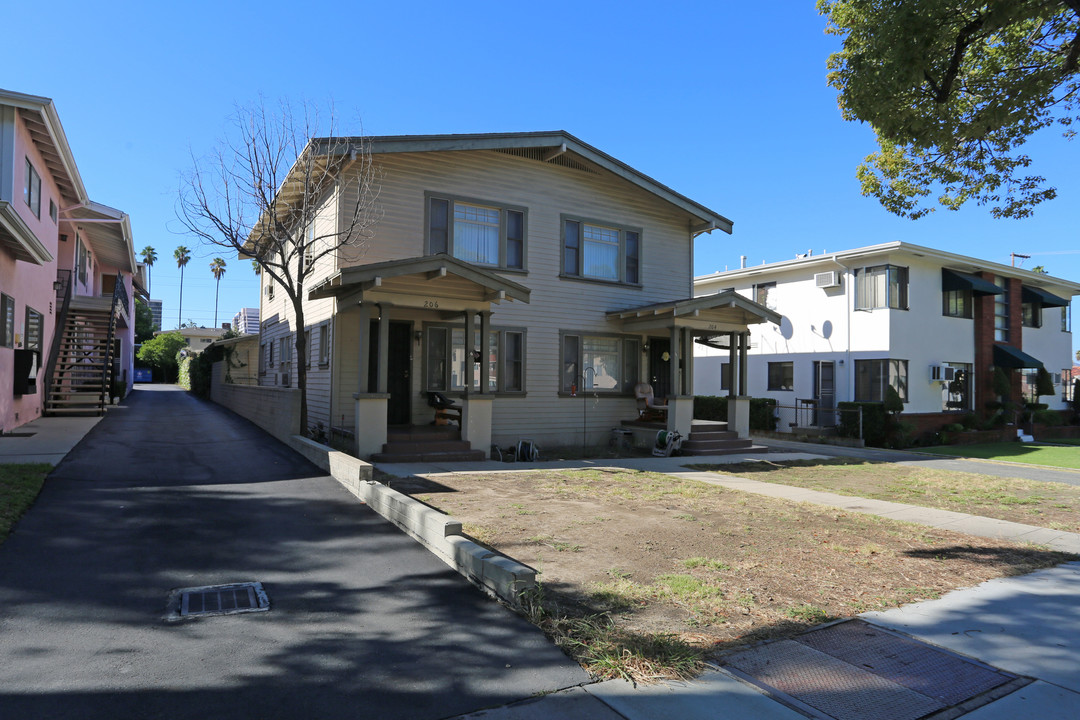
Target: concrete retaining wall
276,410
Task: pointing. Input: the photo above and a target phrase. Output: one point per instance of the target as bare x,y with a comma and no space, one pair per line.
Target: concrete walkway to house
44,440
171,492
1028,625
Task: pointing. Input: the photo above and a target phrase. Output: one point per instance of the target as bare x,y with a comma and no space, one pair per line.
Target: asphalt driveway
169,492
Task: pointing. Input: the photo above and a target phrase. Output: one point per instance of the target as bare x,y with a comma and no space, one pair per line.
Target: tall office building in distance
246,321
155,308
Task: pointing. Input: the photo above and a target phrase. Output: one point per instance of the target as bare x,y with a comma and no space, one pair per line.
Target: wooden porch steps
707,437
81,373
426,443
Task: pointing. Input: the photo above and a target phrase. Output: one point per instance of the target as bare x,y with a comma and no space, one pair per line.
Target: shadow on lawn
1011,560
751,467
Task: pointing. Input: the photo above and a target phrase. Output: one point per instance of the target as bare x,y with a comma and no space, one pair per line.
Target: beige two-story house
529,277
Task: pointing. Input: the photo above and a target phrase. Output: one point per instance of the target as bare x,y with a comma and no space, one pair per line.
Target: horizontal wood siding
557,304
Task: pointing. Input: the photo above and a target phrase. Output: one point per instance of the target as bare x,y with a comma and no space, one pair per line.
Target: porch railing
63,302
119,300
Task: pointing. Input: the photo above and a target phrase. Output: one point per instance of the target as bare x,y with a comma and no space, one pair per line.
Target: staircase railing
119,300
63,300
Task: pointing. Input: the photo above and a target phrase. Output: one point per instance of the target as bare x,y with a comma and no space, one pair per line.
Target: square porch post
384,349
485,331
733,374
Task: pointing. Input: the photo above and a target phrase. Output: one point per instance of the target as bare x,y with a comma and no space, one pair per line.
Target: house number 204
431,303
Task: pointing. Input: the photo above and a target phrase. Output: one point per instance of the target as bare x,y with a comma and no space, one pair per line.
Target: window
956,393
882,286
1066,319
956,303
269,288
307,344
82,258
7,321
781,376
1031,314
601,252
34,325
32,189
1001,311
309,246
873,376
285,352
324,344
446,356
477,232
54,214
262,358
762,291
270,354
600,363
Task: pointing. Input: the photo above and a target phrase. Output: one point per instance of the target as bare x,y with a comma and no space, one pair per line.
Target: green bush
969,421
710,407
763,414
953,428
1050,418
875,428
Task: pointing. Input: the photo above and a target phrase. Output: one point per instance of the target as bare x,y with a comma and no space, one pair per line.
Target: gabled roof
555,147
952,261
432,275
727,311
40,117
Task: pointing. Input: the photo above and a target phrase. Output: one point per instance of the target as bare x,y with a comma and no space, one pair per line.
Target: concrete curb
439,533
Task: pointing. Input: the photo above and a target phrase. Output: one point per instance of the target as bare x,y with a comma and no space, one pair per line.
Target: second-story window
601,251
1001,311
956,303
477,232
32,189
881,286
1031,314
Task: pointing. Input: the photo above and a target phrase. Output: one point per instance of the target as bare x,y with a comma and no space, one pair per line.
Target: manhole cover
857,671
210,600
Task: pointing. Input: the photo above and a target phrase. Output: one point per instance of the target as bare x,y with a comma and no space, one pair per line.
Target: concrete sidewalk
44,440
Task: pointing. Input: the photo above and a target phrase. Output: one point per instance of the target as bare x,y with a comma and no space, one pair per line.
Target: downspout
849,304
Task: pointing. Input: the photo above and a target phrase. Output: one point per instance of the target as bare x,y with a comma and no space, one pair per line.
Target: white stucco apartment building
930,323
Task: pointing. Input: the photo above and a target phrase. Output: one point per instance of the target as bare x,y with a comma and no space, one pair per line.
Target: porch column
733,375
384,348
744,347
688,363
365,351
470,332
676,353
485,330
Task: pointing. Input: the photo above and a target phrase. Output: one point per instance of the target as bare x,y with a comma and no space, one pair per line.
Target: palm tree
182,255
149,255
217,267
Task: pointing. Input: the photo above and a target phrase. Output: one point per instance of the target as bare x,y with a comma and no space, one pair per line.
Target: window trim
622,261
32,194
500,332
903,283
904,394
788,374
503,208
627,387
324,344
31,315
1036,314
7,321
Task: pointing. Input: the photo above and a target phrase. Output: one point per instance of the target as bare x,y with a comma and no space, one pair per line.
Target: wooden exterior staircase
81,364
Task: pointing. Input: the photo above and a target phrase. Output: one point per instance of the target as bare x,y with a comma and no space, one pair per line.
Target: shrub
713,407
710,407
874,421
1050,418
969,421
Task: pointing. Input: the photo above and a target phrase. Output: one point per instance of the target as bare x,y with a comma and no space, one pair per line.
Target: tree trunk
301,358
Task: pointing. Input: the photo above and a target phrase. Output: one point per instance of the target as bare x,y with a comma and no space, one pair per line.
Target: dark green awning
1034,294
953,280
1007,356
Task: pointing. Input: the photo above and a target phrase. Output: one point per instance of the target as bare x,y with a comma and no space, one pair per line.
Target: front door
660,366
398,384
825,393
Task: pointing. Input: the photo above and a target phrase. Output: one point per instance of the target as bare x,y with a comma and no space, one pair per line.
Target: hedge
713,407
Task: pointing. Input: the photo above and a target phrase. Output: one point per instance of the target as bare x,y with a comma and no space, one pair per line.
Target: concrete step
458,456
423,434
713,435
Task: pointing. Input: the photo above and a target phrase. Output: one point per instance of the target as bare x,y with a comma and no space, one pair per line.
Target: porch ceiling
723,312
108,232
421,282
19,239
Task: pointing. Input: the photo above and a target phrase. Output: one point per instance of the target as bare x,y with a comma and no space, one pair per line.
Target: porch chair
445,409
649,408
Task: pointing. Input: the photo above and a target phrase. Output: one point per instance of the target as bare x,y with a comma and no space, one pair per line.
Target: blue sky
725,102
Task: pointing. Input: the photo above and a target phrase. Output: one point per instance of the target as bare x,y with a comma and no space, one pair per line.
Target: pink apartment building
68,275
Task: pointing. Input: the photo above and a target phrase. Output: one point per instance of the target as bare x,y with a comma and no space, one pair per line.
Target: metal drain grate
211,600
857,671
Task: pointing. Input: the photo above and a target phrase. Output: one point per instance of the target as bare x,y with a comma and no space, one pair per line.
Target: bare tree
262,191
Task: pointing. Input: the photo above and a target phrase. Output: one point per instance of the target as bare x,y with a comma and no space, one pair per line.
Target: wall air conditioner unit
828,279
937,373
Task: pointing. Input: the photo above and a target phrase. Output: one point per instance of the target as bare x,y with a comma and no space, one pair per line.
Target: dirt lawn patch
710,565
1046,504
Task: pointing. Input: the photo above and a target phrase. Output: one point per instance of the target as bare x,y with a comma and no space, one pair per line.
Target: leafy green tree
217,267
144,322
182,256
953,89
160,352
149,256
